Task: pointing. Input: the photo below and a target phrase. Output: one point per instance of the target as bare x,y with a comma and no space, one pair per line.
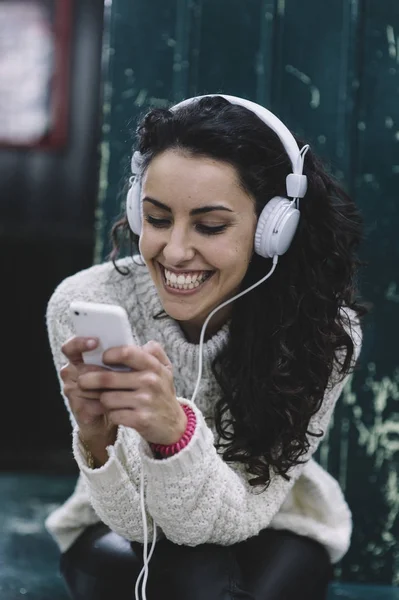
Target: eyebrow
195,211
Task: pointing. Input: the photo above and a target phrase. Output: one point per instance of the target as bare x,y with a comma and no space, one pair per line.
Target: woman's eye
156,222
210,230
204,229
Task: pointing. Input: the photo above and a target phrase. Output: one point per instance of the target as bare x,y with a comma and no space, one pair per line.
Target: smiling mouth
190,283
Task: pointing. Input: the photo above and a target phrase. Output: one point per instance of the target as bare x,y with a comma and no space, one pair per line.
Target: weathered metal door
330,70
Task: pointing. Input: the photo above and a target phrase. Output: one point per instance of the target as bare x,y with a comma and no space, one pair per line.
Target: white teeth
185,282
182,280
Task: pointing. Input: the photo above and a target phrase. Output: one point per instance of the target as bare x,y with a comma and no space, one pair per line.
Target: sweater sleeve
68,521
198,498
112,492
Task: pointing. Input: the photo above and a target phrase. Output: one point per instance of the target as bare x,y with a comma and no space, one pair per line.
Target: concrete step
29,557
339,591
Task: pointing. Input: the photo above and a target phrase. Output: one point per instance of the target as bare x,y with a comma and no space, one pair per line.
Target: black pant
275,565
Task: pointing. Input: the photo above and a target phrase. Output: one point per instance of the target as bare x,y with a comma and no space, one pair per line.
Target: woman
241,509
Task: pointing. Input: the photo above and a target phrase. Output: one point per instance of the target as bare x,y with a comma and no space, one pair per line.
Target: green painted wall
330,70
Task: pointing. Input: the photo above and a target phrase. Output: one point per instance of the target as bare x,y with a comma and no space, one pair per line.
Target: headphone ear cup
276,227
133,207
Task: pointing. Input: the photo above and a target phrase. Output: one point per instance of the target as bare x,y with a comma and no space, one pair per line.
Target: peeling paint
368,177
325,446
141,97
391,293
23,526
158,102
130,93
305,79
393,43
379,436
281,8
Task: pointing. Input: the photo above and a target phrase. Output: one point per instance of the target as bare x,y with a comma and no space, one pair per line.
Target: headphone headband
285,135
296,182
279,219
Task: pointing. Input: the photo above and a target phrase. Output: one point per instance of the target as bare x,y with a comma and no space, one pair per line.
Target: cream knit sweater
194,497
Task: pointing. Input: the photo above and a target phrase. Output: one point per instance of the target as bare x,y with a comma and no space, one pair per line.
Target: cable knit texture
194,497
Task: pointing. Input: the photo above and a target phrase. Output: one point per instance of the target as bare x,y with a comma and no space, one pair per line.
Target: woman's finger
113,400
156,350
88,395
139,419
109,380
134,357
75,346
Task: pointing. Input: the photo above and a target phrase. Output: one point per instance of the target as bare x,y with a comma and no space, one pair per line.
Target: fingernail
91,343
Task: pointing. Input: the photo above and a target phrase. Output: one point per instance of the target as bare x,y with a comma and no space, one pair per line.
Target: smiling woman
207,443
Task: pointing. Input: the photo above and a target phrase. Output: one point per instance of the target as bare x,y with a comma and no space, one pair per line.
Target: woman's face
197,236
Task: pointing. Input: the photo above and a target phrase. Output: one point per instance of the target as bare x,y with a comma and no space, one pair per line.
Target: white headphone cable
275,260
147,557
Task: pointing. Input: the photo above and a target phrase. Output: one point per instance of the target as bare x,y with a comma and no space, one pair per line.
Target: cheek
240,250
149,243
234,260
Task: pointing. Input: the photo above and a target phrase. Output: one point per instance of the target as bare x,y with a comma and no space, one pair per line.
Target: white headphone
279,219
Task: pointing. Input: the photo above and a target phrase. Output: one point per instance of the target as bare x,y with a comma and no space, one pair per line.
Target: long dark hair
288,334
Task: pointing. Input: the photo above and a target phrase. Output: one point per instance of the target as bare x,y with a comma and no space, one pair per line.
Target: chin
178,314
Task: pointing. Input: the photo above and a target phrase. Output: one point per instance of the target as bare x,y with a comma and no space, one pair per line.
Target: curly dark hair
288,334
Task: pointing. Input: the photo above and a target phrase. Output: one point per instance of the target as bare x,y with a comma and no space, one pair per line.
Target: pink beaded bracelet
171,449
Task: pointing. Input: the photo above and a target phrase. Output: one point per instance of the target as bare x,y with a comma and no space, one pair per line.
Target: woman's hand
94,426
143,398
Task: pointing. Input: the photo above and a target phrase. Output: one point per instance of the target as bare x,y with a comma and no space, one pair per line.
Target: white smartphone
106,322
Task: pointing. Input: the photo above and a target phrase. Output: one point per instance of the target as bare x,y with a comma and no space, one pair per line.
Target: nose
178,248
